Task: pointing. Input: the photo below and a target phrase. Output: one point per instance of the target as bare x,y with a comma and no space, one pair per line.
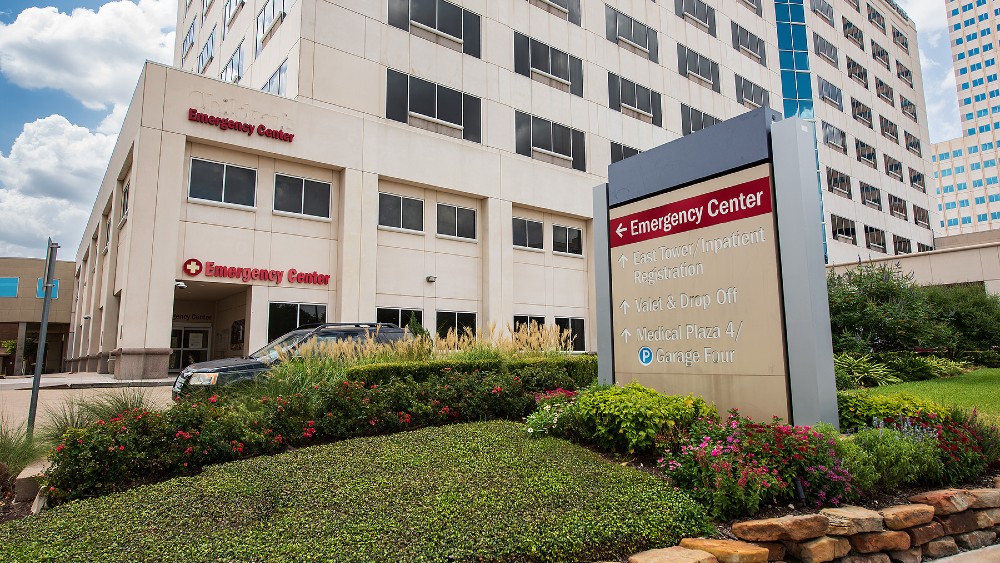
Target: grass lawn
979,389
474,492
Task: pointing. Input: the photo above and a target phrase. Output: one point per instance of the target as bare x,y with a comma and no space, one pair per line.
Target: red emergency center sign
714,208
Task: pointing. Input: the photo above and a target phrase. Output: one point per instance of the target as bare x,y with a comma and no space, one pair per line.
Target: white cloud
50,176
48,183
95,57
929,15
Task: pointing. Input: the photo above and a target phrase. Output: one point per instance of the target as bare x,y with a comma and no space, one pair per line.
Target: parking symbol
645,356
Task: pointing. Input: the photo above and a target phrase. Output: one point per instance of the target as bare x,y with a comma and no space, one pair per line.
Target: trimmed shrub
984,358
880,309
900,456
538,373
627,420
141,446
858,409
973,313
471,492
555,372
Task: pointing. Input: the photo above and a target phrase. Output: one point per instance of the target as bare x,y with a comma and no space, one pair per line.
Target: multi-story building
968,188
21,298
871,125
435,158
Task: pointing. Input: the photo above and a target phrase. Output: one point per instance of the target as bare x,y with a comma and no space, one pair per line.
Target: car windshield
270,353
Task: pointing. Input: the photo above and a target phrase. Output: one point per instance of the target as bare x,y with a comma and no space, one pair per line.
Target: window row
845,230
839,183
237,185
401,212
9,288
528,233
464,322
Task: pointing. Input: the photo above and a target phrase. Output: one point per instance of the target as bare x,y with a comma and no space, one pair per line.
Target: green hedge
984,358
482,492
539,374
858,409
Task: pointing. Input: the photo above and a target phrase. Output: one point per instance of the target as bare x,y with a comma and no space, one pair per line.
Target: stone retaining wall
937,524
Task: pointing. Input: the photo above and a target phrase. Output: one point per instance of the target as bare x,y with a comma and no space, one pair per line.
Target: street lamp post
47,284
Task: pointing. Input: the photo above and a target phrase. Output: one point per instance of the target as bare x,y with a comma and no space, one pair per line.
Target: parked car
232,370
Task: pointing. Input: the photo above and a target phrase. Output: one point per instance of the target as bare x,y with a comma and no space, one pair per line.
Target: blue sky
68,69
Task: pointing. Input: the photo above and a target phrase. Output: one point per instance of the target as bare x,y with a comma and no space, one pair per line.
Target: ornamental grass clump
737,466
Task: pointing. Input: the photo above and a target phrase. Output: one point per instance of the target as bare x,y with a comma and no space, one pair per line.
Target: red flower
213,399
60,447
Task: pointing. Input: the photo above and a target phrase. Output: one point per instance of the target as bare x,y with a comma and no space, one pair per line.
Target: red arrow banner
714,208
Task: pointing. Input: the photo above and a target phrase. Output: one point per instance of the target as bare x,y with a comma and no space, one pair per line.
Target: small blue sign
645,356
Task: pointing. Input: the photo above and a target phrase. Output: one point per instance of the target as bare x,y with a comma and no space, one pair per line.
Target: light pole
47,284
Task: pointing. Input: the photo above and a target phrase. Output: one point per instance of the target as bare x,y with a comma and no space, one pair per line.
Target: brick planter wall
937,524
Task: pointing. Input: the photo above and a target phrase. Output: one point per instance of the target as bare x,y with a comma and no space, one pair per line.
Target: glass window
399,317
528,233
8,287
286,317
298,195
567,240
573,328
277,82
460,322
226,183
456,221
400,212
526,322
621,152
40,289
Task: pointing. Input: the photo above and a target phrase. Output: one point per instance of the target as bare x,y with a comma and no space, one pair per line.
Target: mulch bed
10,510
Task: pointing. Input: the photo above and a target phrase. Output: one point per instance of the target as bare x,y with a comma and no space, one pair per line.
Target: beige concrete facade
21,313
134,318
976,263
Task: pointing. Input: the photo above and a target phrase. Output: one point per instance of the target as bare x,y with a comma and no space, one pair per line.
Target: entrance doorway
189,344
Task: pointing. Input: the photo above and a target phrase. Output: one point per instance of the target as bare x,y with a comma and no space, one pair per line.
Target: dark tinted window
287,194
456,221
575,330
528,321
400,212
424,11
286,317
206,180
567,240
527,233
241,185
460,322
450,19
422,97
449,105
399,317
413,214
316,200
296,195
223,182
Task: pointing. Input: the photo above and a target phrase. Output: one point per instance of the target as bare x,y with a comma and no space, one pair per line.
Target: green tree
881,309
973,314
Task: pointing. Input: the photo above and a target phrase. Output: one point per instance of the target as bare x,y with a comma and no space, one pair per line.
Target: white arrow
626,334
621,229
623,260
624,307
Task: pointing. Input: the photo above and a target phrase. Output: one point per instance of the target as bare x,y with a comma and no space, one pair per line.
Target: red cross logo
192,267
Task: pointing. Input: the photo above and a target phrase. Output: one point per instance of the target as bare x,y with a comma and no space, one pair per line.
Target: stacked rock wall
937,524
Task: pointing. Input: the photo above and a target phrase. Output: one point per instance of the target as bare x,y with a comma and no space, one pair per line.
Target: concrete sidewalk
986,555
81,380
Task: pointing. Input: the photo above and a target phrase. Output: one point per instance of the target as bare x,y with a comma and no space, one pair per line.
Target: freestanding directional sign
703,274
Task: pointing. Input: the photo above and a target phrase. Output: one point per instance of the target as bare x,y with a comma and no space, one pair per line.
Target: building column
358,241
497,260
22,331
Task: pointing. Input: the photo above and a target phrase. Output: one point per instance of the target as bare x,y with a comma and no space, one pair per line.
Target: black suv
231,370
